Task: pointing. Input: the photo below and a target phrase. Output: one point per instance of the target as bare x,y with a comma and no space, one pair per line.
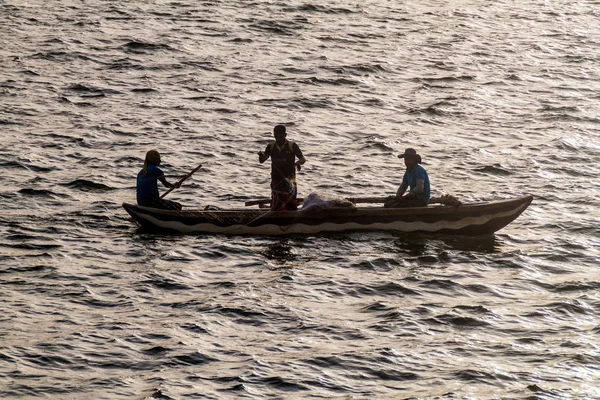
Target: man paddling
416,178
283,153
147,184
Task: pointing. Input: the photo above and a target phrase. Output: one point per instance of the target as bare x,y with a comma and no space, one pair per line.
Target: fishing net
324,200
446,200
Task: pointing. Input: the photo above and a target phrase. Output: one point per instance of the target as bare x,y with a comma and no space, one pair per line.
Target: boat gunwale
497,214
340,211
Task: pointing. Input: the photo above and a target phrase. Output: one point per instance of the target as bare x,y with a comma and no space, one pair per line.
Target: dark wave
317,8
82,88
144,90
125,64
203,65
357,69
444,79
39,193
163,283
241,40
142,47
194,358
87,185
27,166
495,169
284,28
330,81
8,122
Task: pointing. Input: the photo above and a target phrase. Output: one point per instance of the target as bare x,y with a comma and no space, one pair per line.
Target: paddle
260,202
181,180
371,200
354,200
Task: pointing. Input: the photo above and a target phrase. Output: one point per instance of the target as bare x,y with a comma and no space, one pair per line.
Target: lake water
499,98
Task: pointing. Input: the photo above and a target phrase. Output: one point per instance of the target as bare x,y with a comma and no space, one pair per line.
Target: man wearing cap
283,153
147,185
416,178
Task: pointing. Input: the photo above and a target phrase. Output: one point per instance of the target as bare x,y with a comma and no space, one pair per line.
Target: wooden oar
372,200
260,202
447,200
355,200
181,180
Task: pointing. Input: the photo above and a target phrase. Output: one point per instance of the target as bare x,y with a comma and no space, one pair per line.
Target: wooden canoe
483,218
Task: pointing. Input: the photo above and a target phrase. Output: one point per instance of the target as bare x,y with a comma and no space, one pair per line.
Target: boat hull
467,219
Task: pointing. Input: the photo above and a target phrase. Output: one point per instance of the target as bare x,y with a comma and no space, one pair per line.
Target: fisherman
147,185
416,178
283,153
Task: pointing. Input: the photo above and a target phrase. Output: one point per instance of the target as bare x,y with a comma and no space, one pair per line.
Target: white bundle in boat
323,201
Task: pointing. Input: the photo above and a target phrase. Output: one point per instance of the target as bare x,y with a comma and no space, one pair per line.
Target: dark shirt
147,185
283,159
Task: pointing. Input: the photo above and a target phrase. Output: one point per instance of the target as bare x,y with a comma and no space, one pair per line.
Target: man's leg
167,205
405,201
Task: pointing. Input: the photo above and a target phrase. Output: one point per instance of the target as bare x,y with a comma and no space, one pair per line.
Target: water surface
500,99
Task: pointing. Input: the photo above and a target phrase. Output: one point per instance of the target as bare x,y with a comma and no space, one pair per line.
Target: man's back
147,185
283,159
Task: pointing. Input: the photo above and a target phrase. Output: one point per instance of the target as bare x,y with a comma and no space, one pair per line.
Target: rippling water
500,98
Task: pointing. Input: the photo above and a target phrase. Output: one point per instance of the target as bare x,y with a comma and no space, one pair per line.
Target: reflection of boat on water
467,219
419,244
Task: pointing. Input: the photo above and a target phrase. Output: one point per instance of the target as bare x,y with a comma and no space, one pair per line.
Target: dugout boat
482,218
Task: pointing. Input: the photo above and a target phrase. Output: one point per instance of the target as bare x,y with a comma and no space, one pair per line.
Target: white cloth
324,200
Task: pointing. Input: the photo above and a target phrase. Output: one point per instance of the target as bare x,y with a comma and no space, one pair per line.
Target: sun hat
408,153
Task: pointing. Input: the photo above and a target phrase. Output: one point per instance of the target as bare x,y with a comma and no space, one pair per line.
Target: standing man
414,177
283,153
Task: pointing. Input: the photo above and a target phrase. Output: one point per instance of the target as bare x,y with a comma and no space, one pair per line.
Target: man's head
153,157
280,134
411,158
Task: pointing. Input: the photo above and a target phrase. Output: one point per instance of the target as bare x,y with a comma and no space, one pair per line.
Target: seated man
147,186
414,177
